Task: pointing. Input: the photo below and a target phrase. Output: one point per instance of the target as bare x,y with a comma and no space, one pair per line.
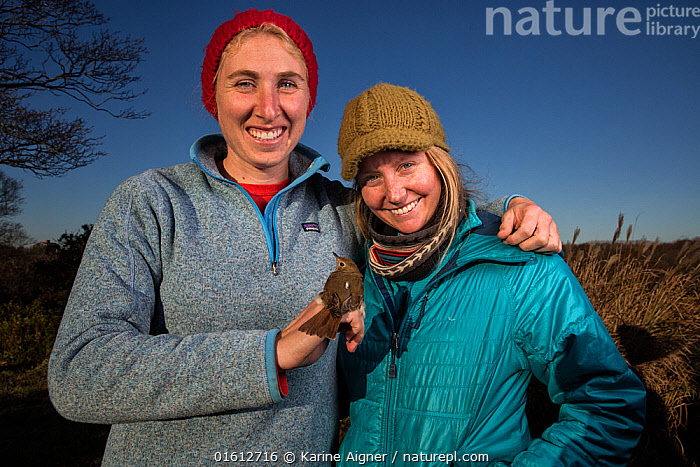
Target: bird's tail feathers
322,324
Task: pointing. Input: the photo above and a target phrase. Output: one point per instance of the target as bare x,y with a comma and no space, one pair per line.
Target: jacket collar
471,246
303,162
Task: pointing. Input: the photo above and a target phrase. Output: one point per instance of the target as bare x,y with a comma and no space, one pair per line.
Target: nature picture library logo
556,18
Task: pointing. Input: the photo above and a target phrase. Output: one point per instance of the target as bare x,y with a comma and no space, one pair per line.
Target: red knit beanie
250,19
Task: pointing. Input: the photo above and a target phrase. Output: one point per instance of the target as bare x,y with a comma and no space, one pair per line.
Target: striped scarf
408,257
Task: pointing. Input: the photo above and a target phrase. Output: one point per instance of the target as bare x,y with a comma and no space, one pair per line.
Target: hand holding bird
341,294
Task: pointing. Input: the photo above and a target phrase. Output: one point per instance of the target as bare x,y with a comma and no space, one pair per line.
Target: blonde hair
452,198
265,28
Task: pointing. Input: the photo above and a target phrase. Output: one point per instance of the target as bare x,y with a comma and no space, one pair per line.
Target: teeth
405,209
265,135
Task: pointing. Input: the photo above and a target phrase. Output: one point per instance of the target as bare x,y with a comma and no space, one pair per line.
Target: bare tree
10,198
11,233
61,47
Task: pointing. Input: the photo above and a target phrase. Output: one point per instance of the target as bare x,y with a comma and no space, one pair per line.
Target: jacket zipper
269,225
396,337
394,348
391,397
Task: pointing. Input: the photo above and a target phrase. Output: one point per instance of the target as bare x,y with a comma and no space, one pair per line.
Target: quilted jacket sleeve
106,365
567,347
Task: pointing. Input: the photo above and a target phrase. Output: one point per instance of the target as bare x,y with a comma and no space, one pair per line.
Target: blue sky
588,126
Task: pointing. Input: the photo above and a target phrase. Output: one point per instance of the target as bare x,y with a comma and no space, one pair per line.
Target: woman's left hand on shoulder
528,226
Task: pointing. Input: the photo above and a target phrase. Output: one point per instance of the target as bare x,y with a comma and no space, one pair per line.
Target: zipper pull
275,270
394,348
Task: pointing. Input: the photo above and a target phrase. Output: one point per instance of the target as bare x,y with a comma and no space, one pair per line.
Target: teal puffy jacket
447,383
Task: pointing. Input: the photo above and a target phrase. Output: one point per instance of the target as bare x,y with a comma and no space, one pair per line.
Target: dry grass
648,296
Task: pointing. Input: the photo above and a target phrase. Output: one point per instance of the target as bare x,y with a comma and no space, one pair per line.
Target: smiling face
262,96
401,188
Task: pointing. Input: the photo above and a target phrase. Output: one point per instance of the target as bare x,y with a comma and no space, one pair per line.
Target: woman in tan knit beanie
457,322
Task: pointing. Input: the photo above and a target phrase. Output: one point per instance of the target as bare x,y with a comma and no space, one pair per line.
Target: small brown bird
341,294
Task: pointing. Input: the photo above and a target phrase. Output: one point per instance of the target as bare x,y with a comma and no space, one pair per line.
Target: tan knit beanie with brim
387,117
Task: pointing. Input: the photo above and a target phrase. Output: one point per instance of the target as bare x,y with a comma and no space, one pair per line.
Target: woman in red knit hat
172,331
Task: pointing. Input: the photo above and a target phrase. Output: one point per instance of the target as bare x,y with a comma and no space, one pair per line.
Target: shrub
27,333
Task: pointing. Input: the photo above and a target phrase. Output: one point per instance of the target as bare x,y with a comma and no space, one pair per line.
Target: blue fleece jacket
170,327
